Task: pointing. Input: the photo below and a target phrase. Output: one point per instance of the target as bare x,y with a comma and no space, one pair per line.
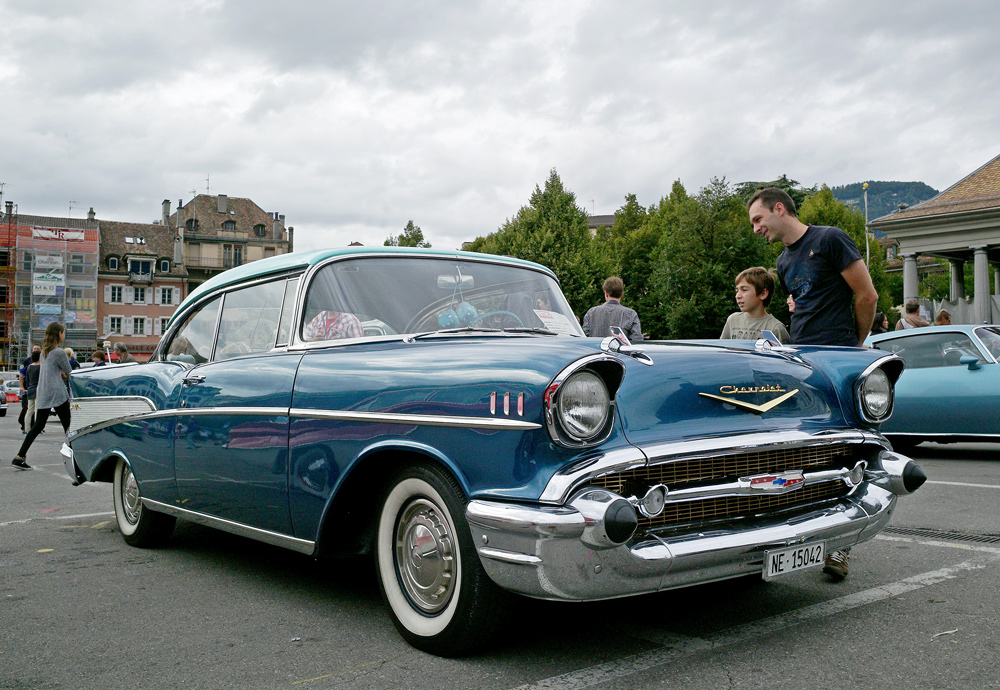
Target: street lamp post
867,252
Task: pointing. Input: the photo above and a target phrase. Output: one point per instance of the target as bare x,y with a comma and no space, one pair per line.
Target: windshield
393,295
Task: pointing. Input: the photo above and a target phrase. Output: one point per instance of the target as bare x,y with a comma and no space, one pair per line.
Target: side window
927,351
250,320
287,307
326,316
991,339
193,341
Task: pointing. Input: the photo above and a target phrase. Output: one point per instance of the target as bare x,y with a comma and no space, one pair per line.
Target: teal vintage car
949,390
444,412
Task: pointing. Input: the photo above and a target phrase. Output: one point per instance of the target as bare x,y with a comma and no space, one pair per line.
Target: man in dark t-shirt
822,269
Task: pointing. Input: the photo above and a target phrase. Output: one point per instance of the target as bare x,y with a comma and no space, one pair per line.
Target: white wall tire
139,525
440,598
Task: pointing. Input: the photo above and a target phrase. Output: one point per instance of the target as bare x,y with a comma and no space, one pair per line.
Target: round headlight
876,395
583,405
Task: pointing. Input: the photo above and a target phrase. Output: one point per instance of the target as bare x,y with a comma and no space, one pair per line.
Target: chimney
90,214
291,233
276,226
10,208
165,220
179,239
223,203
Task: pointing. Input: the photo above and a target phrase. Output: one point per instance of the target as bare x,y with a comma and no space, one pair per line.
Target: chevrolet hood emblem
750,407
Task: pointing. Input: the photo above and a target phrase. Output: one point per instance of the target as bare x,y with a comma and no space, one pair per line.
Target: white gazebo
962,225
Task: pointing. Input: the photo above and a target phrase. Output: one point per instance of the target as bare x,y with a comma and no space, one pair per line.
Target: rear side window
249,320
192,344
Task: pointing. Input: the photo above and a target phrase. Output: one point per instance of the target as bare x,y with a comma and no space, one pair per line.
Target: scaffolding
10,347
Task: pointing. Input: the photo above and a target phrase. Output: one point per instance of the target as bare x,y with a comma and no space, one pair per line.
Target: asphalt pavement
81,609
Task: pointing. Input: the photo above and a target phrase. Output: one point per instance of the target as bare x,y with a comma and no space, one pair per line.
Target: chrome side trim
562,484
415,419
178,412
274,538
105,410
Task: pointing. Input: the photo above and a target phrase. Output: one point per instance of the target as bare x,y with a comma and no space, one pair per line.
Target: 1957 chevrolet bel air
444,412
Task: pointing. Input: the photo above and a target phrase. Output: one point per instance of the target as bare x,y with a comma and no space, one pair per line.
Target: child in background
754,289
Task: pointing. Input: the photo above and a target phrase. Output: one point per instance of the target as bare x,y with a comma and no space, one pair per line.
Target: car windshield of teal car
394,295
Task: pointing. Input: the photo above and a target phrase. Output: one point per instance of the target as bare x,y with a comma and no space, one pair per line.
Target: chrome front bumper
550,552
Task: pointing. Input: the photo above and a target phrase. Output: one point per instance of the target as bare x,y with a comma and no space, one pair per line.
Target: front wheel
139,525
441,599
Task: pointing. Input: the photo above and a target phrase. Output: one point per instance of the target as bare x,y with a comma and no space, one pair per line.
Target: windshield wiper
530,329
463,329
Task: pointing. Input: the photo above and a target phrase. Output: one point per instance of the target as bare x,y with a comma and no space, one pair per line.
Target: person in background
754,288
597,322
822,269
100,358
124,356
880,324
73,364
943,318
912,319
31,386
52,392
22,388
790,301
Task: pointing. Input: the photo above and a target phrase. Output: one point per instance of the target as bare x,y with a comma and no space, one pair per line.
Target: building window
116,294
268,251
232,255
260,230
139,325
229,225
26,258
115,324
144,268
113,263
163,324
164,266
139,295
166,296
192,224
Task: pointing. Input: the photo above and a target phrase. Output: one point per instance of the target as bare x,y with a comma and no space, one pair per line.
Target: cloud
352,118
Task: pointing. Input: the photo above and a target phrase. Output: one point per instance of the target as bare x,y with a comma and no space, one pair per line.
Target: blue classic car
949,389
444,412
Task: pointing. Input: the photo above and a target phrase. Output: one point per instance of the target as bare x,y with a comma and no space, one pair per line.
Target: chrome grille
700,471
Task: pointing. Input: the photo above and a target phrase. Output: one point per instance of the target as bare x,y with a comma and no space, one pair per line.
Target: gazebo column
911,287
981,282
956,289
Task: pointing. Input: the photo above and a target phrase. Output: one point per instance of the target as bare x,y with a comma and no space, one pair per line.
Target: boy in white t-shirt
754,288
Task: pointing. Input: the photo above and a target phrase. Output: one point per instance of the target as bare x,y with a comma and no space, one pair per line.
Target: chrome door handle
193,380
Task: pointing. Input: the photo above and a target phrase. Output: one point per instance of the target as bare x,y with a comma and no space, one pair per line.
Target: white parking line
682,647
55,517
978,486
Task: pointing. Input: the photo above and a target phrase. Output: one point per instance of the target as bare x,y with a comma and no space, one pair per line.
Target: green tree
705,242
799,194
553,231
412,236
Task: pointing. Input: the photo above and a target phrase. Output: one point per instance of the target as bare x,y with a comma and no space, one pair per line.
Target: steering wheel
499,312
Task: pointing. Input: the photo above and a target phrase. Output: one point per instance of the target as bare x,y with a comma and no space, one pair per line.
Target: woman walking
52,391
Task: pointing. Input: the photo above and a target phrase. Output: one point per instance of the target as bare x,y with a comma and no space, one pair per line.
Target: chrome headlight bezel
603,375
874,390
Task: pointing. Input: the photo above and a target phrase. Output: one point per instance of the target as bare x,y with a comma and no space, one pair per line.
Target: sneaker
20,463
836,564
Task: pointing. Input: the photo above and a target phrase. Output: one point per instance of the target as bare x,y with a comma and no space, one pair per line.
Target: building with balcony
219,232
139,284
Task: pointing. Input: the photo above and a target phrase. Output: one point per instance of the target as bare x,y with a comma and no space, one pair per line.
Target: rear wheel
441,599
139,525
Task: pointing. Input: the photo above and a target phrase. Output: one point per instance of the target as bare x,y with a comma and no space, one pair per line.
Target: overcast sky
351,118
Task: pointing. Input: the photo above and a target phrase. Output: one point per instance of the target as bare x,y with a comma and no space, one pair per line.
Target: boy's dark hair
36,356
100,355
762,279
769,196
614,287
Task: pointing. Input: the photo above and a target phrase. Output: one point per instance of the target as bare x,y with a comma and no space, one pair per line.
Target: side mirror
971,361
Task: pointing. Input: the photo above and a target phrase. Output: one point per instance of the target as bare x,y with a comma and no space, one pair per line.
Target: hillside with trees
883,197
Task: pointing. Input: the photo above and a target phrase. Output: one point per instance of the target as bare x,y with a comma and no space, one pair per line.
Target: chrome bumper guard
70,464
562,552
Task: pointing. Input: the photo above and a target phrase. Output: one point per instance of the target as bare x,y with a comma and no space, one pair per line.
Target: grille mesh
687,472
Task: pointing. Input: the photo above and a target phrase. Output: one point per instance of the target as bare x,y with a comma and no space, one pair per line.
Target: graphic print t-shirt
739,326
824,303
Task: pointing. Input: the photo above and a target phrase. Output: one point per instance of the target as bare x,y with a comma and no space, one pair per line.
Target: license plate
791,560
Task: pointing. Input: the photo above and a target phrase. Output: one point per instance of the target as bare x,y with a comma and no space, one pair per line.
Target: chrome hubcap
131,501
425,556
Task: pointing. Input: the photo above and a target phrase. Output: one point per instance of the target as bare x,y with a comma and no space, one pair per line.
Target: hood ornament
768,342
619,343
